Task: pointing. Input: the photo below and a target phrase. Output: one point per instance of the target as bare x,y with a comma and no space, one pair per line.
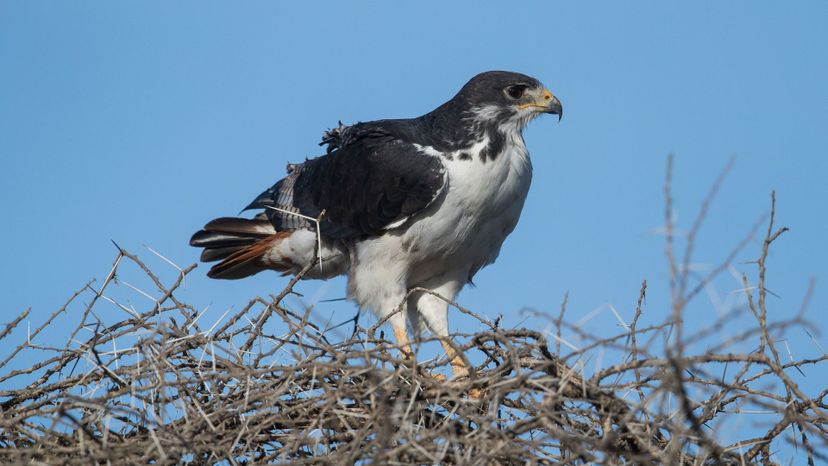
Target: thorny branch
151,388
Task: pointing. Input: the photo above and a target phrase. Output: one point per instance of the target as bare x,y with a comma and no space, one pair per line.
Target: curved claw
476,394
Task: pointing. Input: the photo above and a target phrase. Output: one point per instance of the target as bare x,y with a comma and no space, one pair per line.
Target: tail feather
245,247
239,244
245,261
214,239
215,254
257,226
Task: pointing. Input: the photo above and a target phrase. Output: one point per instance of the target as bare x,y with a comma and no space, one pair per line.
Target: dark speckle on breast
496,142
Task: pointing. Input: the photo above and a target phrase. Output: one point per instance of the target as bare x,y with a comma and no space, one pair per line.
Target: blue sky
139,121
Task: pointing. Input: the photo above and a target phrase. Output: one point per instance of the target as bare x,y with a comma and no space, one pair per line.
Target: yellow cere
546,96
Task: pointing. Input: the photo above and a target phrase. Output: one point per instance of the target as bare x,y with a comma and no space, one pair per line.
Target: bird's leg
458,366
459,369
433,310
401,334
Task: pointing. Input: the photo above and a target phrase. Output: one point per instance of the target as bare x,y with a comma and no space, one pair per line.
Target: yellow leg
459,368
401,334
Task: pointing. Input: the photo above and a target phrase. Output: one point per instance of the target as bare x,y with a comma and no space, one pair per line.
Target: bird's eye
516,91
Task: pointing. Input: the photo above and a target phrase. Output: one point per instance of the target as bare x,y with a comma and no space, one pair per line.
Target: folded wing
370,180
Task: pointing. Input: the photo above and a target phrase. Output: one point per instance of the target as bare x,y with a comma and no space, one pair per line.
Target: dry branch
164,386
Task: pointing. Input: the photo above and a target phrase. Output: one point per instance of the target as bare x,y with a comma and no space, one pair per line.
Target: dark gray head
505,95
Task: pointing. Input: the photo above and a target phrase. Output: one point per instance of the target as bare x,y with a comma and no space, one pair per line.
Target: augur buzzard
397,204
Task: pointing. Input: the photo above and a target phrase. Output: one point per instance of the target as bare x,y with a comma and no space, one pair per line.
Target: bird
408,209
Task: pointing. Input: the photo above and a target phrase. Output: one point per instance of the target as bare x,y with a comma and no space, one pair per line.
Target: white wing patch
396,223
428,150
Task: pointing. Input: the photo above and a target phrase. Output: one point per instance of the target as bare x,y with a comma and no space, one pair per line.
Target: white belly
465,229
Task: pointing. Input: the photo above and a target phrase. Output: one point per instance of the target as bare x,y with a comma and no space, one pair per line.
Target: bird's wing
370,180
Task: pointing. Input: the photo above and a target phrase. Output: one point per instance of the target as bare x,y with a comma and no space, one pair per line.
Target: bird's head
506,97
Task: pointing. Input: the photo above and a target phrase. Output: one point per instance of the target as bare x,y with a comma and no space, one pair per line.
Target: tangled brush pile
162,387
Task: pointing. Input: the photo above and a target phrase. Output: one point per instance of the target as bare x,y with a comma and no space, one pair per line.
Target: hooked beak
553,105
546,103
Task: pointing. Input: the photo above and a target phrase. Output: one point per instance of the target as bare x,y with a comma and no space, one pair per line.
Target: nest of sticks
163,387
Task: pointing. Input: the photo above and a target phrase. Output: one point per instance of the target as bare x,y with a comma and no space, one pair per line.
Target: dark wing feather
370,179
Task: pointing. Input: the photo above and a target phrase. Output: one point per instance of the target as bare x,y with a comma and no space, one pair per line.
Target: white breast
482,205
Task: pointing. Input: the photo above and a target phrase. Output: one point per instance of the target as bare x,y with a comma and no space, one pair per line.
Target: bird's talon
439,378
475,394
